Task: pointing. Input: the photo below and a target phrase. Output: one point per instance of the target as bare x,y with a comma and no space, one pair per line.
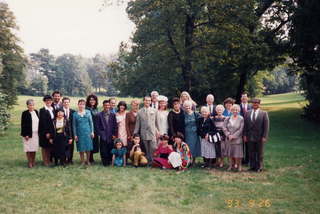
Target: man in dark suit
210,105
107,129
56,104
68,114
245,106
256,133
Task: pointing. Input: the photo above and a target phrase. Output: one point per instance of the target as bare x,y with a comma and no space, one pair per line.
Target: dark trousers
256,155
105,151
245,159
70,151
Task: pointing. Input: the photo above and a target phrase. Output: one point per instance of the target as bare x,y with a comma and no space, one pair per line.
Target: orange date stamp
253,203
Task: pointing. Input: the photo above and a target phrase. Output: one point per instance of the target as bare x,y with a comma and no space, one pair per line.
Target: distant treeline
72,75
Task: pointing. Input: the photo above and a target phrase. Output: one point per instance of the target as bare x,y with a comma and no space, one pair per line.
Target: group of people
152,135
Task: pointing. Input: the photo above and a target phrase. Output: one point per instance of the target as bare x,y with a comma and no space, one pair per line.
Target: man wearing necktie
68,114
256,133
146,127
210,105
154,99
245,106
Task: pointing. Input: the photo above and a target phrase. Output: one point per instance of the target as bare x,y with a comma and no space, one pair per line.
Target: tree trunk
242,83
187,68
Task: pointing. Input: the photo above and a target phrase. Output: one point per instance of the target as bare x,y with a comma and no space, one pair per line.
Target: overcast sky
71,26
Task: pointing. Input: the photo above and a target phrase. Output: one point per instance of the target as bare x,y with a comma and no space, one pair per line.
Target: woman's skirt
32,144
207,149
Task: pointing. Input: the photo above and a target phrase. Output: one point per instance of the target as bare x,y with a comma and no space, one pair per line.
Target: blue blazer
107,130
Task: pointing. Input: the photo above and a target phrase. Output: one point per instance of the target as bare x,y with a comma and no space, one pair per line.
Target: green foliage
199,46
11,56
71,76
305,50
4,113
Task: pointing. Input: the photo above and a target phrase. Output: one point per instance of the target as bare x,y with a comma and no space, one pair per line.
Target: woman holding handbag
206,128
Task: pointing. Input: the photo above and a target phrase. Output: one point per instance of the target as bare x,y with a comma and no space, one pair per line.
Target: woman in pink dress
121,121
161,154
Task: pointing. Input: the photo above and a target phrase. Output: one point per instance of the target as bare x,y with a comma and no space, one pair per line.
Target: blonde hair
135,102
188,98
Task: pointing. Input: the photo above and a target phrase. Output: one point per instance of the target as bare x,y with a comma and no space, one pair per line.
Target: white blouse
162,122
35,121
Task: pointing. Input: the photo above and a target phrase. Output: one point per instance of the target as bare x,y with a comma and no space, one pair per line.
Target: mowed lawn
290,184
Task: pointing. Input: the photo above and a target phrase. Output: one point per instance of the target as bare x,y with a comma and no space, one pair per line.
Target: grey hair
30,101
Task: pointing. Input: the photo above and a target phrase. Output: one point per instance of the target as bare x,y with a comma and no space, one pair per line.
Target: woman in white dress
29,132
162,116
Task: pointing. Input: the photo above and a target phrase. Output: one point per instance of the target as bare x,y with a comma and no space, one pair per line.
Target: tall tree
46,65
199,46
11,55
71,75
305,51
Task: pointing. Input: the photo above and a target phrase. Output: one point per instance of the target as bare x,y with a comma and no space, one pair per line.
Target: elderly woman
176,119
233,130
228,104
191,135
46,129
186,96
162,116
222,149
29,132
206,127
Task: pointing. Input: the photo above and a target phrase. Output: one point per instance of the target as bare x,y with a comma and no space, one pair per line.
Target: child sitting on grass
137,157
118,153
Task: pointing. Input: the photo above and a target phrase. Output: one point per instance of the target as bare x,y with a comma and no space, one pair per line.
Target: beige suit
146,127
255,130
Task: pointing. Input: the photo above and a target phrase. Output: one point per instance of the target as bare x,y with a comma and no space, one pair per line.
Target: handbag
214,138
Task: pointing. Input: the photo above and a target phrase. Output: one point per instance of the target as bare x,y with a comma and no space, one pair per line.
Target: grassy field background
290,184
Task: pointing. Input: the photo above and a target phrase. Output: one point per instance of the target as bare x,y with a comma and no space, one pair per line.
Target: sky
71,26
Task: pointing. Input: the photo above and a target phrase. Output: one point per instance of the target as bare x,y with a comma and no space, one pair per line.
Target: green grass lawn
290,184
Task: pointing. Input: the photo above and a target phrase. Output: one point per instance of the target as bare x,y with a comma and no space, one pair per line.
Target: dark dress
45,126
96,142
176,123
219,146
206,126
60,141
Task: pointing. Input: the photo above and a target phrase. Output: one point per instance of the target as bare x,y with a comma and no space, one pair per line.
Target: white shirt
35,121
155,105
210,106
257,113
66,112
245,106
50,110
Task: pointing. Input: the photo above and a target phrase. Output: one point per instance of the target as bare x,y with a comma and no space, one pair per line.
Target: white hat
162,98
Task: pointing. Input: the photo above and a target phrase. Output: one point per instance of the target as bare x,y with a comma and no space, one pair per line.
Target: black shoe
259,170
252,170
